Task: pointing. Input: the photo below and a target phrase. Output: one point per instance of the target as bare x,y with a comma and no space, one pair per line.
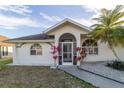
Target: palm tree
109,28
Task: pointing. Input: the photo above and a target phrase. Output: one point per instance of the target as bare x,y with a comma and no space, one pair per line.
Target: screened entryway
67,55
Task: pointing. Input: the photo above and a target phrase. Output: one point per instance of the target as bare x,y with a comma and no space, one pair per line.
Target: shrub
117,65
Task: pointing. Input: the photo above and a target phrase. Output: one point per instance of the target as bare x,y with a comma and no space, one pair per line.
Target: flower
78,49
53,52
78,58
58,49
55,57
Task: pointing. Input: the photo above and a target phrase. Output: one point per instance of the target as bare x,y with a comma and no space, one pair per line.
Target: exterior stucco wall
120,52
104,53
10,51
21,56
68,29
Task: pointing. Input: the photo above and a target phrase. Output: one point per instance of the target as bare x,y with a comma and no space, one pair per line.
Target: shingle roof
35,37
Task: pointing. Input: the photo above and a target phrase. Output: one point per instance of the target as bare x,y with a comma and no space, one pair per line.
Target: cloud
20,9
94,5
95,8
9,22
50,18
81,20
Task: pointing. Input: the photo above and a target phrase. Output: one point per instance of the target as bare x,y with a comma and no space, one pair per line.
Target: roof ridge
4,36
67,20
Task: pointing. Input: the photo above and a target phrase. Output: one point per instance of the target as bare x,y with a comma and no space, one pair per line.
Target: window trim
90,46
36,50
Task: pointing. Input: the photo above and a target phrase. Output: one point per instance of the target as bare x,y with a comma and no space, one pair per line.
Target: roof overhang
29,41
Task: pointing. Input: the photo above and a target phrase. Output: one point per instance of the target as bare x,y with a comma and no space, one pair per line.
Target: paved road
96,80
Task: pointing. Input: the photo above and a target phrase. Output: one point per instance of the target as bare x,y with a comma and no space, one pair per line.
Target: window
90,46
36,49
5,51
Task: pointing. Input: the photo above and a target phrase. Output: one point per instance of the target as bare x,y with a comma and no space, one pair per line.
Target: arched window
36,49
90,46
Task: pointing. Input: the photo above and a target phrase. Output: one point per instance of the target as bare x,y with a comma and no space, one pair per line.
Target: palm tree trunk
111,46
113,50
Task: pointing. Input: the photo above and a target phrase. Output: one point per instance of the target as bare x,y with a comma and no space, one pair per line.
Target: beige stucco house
67,34
5,48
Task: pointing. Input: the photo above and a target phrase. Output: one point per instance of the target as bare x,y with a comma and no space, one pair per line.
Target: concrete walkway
96,80
101,69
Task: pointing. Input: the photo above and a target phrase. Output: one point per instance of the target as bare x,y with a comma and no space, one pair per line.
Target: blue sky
17,21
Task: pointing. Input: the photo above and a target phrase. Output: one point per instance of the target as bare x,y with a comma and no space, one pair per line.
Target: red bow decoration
78,49
78,58
54,48
55,57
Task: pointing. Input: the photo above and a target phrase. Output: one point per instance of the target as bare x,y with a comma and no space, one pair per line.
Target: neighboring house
5,48
67,34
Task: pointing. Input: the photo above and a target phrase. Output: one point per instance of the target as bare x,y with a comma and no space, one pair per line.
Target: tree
109,28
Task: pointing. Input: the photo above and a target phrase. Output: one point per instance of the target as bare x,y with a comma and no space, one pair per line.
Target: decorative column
57,44
78,45
15,55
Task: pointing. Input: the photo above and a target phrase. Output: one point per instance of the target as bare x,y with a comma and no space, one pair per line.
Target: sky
23,20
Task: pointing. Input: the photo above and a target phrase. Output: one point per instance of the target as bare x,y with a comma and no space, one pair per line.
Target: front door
67,53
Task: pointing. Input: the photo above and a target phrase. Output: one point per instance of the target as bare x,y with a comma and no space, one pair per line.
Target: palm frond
109,28
117,23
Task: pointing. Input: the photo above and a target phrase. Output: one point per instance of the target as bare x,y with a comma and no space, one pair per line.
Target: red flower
55,57
78,49
58,49
53,52
78,58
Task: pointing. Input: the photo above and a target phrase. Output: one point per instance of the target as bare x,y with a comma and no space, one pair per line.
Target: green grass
37,77
4,62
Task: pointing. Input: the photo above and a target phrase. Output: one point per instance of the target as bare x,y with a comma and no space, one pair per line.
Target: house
67,34
5,48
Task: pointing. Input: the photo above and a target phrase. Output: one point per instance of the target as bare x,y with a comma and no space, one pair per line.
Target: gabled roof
67,21
2,38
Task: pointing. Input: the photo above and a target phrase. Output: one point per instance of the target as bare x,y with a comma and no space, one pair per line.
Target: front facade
68,35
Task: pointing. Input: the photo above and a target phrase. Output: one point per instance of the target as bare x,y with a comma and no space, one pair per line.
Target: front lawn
5,61
37,77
